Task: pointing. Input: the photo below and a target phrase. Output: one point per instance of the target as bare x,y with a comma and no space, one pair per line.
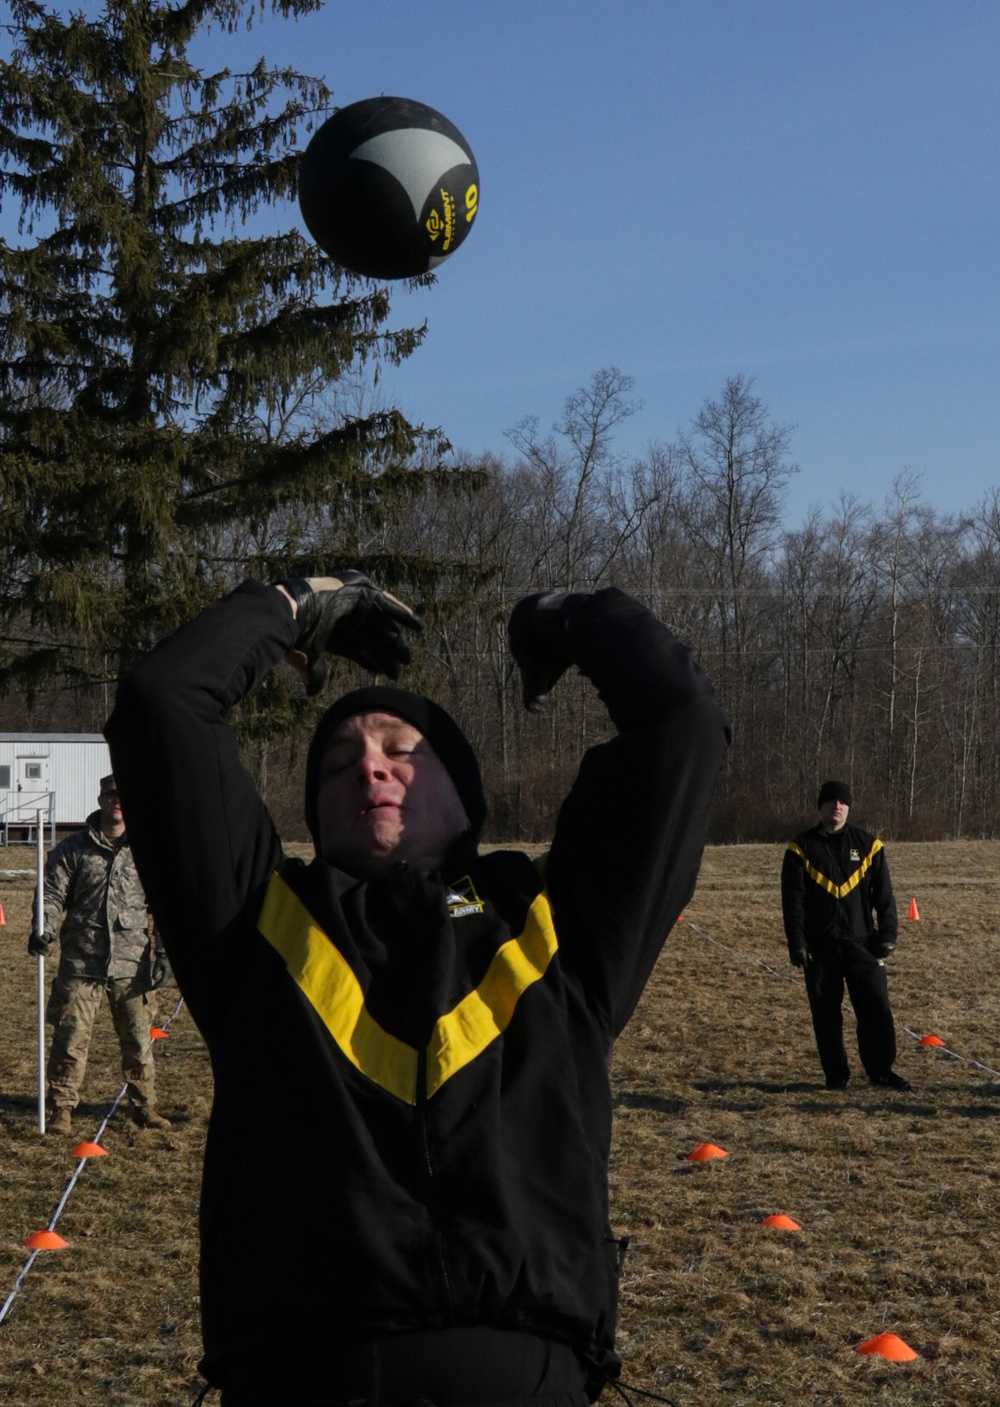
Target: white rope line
955,1055
18,1283
787,977
81,1162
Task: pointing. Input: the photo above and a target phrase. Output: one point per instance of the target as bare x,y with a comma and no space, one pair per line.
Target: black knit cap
437,726
835,791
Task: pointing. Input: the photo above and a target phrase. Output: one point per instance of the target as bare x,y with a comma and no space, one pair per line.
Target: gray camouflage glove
350,616
537,635
38,945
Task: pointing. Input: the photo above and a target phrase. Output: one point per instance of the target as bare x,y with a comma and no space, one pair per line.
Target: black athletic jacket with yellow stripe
412,1113
831,883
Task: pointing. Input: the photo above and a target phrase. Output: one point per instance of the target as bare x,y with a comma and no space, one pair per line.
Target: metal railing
28,819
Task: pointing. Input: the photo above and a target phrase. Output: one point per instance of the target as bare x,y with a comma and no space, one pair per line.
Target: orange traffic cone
44,1241
913,909
3,916
780,1222
888,1346
705,1151
930,1040
88,1150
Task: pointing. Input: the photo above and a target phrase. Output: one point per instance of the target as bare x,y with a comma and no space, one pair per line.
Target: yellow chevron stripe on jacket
329,984
839,891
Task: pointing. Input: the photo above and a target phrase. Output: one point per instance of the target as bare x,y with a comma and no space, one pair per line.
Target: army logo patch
463,899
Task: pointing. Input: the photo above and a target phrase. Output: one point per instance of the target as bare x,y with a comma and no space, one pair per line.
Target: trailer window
4,778
32,771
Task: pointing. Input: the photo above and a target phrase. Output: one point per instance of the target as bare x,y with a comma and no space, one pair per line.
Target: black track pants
447,1367
830,969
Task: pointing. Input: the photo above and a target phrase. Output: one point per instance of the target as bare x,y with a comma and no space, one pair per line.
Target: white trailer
58,774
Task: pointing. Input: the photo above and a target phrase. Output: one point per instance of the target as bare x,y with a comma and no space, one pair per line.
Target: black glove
884,950
800,957
537,635
160,971
38,945
349,616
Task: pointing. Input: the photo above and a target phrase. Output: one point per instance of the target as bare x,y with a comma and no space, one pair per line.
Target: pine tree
167,423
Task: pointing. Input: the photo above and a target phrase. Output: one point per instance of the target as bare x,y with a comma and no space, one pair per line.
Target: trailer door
32,787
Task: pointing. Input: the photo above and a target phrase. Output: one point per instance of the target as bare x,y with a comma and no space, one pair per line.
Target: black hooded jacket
833,884
412,1112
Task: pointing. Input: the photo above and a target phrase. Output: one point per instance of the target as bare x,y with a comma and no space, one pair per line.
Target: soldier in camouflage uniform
106,945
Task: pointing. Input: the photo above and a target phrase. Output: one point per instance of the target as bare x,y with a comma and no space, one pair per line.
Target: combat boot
147,1118
61,1120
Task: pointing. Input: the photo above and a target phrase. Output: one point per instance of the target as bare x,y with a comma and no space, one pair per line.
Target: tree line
862,644
189,395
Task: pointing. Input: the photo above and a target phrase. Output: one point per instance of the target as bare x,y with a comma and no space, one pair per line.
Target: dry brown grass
896,1193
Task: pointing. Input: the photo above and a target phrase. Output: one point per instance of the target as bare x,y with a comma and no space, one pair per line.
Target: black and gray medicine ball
388,188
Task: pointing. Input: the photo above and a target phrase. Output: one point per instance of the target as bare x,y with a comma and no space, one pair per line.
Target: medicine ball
388,188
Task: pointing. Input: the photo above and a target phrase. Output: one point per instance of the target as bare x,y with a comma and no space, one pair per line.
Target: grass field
896,1194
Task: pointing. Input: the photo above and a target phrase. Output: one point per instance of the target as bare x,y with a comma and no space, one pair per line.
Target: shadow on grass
803,1098
626,1099
872,1105
977,1111
762,1086
17,1103
25,1107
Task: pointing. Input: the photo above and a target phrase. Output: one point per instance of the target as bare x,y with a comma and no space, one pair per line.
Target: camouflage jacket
93,882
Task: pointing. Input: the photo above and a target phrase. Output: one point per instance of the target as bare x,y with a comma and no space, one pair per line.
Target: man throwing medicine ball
405,1189
835,877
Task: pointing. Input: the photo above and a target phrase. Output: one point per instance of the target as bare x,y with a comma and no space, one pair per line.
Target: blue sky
803,191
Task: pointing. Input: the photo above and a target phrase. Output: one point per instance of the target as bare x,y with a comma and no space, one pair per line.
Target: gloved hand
38,945
884,950
800,957
159,972
537,635
349,616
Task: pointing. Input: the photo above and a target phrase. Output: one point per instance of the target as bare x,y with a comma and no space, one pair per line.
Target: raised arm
630,834
200,834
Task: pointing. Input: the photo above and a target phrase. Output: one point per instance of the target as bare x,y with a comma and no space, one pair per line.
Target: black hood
437,726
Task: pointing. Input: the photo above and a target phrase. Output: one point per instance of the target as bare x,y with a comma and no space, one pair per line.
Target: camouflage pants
71,1009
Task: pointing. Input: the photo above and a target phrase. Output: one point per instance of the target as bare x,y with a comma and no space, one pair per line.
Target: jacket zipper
406,881
438,1246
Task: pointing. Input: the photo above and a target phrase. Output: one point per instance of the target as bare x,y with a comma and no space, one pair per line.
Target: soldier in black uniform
834,878
423,1028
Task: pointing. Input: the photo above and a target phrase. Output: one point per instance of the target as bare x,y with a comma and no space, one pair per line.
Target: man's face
833,815
383,796
111,812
